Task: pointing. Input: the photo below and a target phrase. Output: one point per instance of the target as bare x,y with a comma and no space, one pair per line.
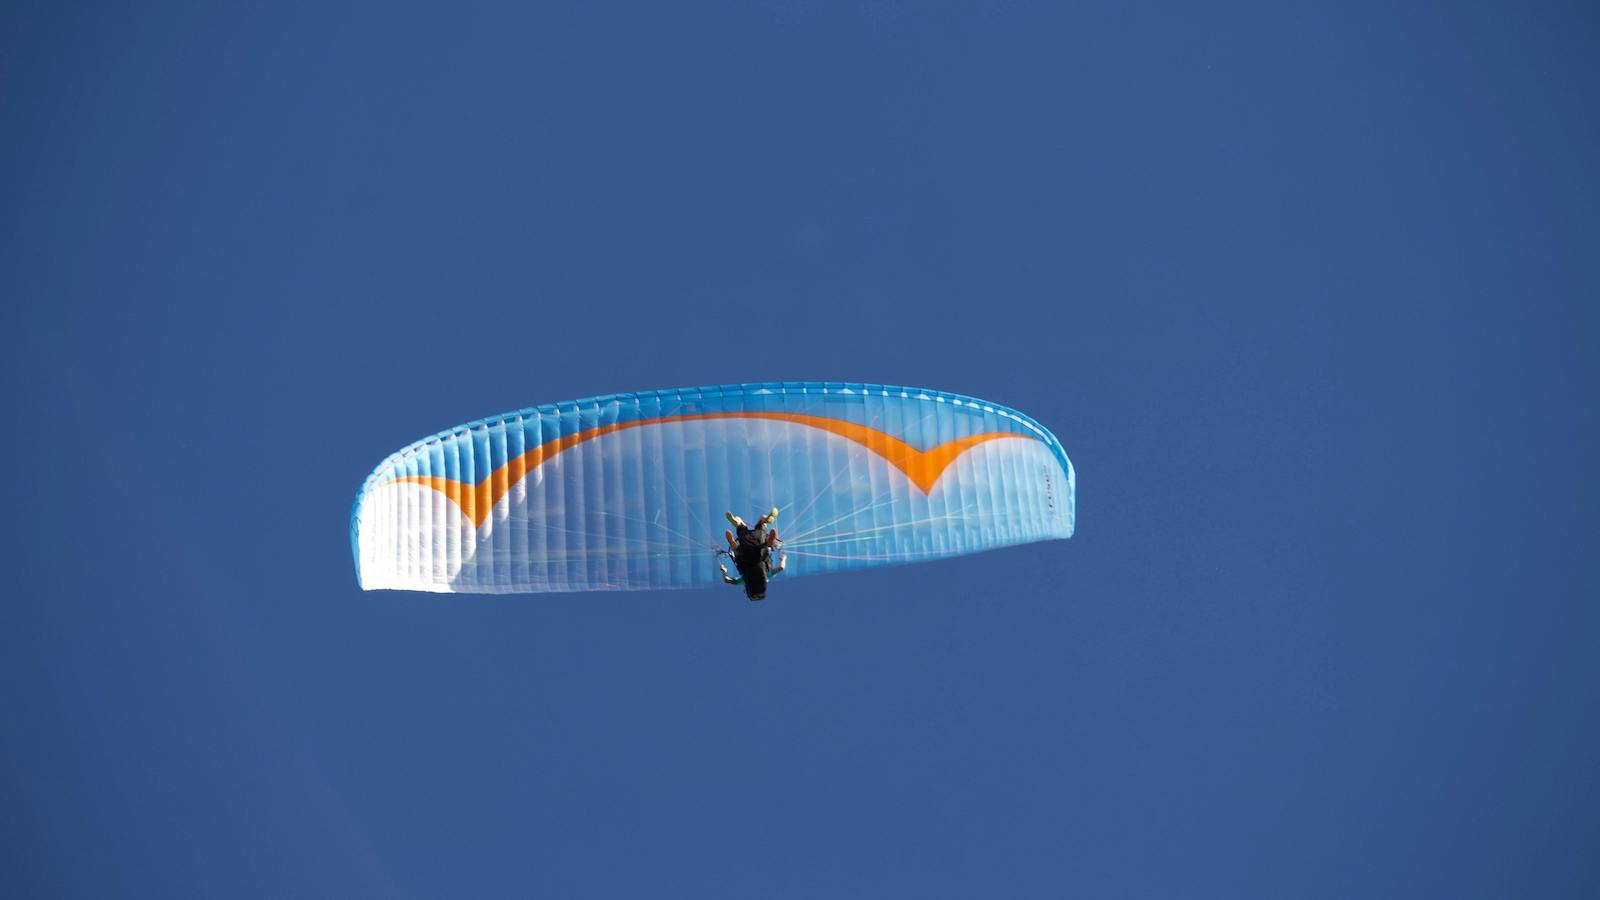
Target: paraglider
751,550
619,492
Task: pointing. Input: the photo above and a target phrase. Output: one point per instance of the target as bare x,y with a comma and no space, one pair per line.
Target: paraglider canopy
625,492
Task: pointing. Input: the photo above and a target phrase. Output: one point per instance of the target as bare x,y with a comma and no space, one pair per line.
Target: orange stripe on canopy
923,467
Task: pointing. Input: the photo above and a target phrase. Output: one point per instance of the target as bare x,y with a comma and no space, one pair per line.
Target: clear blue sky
1308,290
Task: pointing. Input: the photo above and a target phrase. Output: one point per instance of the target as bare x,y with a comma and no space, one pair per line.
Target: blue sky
1307,291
